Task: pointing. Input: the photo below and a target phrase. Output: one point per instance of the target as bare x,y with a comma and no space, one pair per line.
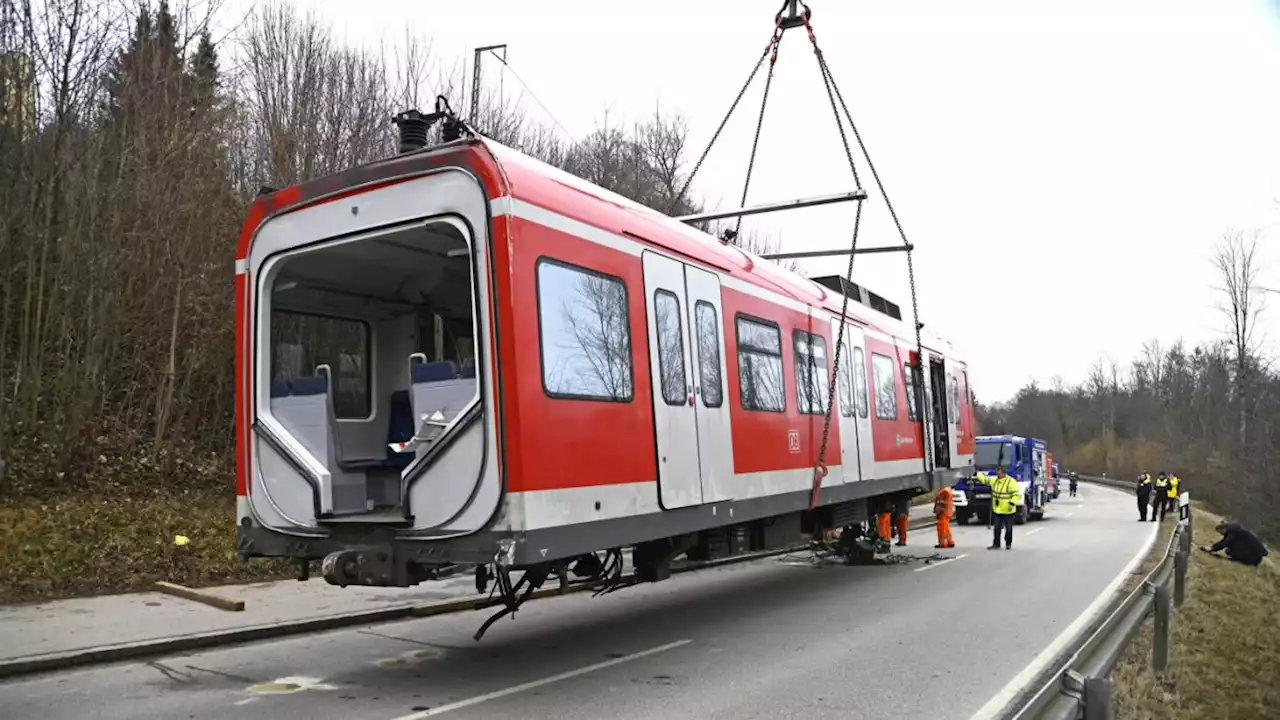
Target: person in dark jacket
1240,544
1144,495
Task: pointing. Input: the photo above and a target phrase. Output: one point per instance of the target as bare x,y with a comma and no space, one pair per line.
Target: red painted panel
567,443
787,440
503,354
966,444
898,439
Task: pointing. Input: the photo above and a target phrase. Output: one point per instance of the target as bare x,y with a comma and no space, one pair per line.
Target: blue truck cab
1024,458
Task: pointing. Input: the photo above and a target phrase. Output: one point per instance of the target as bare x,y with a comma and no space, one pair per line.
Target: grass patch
120,540
1158,552
1223,658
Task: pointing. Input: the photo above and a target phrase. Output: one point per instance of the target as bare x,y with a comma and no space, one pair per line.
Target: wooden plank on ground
207,598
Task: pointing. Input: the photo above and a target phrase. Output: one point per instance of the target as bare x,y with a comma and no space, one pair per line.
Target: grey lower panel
541,545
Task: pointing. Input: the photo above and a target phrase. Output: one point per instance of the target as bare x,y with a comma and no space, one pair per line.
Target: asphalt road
775,638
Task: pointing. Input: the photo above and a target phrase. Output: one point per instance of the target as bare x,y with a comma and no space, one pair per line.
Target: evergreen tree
204,73
146,81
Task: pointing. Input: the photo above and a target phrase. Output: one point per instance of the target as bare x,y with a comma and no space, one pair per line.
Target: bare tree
1236,260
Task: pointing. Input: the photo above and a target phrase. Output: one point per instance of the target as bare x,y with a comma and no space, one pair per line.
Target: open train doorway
942,430
367,344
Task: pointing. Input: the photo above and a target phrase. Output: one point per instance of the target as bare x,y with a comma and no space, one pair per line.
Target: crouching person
1240,544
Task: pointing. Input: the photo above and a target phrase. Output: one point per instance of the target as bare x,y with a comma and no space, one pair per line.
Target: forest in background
130,148
1209,413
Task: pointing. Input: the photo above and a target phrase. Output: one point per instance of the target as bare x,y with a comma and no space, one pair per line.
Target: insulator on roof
412,126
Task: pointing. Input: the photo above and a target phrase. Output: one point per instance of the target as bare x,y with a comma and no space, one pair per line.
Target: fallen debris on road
210,599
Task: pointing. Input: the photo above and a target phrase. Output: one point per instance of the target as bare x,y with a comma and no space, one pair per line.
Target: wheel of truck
1021,517
1037,515
962,518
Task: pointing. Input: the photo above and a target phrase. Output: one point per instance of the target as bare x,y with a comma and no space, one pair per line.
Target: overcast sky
1064,168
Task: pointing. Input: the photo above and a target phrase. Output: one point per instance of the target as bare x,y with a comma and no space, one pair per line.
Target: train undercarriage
844,527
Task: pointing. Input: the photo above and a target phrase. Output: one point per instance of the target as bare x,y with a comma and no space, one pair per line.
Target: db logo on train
793,441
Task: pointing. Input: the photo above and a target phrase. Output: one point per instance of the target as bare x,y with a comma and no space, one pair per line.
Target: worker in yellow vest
1160,500
1174,482
1006,495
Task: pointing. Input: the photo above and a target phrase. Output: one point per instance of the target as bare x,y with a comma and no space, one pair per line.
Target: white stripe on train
553,508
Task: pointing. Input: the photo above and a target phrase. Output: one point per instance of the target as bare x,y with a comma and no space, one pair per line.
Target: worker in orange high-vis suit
884,525
902,516
943,507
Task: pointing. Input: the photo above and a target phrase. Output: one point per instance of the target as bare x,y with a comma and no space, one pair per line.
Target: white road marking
1070,514
539,683
940,563
996,705
1033,532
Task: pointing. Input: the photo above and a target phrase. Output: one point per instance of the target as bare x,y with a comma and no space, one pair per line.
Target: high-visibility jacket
1162,486
1144,485
1173,486
944,505
1006,495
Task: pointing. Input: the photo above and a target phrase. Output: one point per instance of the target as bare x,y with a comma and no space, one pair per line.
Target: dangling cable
911,274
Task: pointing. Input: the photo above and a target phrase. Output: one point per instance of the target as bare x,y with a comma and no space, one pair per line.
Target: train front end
367,400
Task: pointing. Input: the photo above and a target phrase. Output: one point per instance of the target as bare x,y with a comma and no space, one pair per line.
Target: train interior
372,356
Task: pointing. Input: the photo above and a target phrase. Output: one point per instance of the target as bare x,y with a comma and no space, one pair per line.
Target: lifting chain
764,101
911,273
771,49
836,99
827,82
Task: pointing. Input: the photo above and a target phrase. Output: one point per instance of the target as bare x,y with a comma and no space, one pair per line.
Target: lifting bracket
774,207
830,253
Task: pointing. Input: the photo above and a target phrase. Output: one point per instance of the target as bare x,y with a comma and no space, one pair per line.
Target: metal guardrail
1083,688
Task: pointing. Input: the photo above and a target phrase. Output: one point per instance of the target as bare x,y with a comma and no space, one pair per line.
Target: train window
302,341
886,386
584,334
708,329
670,348
846,392
760,365
812,386
860,381
953,388
913,392
967,390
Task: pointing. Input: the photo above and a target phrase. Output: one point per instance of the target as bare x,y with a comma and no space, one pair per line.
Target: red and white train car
579,373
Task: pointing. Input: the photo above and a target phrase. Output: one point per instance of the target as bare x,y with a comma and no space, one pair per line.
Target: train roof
532,180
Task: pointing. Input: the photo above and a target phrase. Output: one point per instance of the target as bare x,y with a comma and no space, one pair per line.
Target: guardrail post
1179,576
1097,698
1160,646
